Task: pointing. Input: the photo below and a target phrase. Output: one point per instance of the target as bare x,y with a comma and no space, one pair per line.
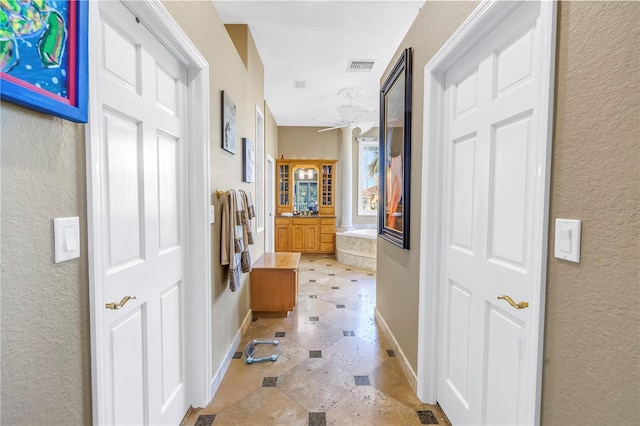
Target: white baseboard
404,363
222,369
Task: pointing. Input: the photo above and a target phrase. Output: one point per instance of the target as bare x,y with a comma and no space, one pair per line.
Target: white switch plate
66,231
212,215
567,241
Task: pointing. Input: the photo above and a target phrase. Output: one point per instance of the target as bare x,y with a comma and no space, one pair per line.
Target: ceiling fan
349,114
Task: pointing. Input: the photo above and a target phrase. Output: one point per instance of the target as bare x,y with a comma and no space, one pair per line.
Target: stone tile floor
335,366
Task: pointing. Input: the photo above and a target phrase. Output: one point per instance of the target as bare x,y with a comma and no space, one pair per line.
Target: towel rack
220,192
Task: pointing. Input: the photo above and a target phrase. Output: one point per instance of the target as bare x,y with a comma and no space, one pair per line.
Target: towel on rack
236,235
231,241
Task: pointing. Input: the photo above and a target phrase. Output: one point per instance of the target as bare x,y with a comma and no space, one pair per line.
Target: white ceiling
313,41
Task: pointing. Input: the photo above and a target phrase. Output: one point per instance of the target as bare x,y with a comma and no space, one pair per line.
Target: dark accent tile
427,417
391,353
335,288
340,306
313,296
205,420
237,355
347,269
314,318
328,264
348,333
317,419
312,281
362,380
312,260
280,334
328,257
312,269
315,354
369,275
269,382
354,281
254,319
332,275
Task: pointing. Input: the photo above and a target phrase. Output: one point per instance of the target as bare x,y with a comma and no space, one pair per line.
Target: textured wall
245,86
45,326
397,275
592,335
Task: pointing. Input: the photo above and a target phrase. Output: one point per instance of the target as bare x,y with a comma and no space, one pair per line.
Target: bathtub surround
357,248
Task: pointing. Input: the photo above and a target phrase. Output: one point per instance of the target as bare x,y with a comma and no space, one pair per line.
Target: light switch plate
567,240
66,231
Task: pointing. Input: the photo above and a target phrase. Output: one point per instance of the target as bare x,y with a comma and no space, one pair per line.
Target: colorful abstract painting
43,55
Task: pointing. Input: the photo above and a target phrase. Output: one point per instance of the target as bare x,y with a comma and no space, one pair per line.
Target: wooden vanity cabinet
304,232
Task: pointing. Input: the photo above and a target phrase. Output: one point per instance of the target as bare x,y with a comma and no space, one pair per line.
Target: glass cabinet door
283,184
327,185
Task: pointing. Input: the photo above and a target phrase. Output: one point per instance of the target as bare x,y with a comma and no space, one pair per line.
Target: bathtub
357,248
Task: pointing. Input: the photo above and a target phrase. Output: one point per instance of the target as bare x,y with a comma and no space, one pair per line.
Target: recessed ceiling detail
361,65
299,84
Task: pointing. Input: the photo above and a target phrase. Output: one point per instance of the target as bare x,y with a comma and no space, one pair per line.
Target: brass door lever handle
519,305
116,306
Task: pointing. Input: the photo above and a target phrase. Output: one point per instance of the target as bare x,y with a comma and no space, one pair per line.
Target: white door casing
487,149
269,203
148,218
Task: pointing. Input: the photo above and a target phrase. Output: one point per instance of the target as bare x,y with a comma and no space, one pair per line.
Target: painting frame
228,123
74,107
395,153
248,161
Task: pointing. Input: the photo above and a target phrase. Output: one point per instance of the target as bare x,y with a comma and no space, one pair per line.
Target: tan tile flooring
335,366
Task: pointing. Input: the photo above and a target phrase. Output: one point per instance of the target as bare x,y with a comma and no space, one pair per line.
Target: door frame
486,17
197,268
270,196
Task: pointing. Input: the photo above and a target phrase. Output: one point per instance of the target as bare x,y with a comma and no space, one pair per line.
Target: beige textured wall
592,349
245,86
307,142
397,274
45,345
592,334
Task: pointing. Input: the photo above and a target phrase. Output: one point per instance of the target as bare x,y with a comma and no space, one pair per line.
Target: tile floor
335,366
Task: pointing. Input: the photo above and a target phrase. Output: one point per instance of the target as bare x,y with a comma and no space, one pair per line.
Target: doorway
148,204
487,146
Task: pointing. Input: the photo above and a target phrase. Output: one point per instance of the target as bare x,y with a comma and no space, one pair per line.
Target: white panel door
490,151
142,96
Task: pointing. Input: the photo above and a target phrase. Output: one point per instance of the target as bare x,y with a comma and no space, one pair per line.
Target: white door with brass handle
142,91
492,223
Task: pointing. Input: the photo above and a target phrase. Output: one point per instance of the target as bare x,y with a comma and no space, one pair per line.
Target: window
367,176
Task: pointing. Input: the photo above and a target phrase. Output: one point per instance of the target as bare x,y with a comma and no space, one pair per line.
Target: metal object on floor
250,351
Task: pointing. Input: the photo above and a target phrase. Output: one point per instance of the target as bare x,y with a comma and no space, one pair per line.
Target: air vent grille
299,84
363,65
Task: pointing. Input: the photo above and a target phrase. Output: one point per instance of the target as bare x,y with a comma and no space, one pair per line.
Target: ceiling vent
363,65
299,84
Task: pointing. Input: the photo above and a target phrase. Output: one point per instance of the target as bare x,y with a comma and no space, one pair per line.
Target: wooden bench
274,284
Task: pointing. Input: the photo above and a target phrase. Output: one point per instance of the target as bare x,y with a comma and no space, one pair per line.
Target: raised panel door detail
457,349
462,170
282,238
311,238
128,354
166,90
466,94
171,341
168,191
124,203
508,209
504,340
297,240
121,57
514,64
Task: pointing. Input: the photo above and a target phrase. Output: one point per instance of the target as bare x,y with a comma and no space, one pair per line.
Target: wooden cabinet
283,231
274,284
305,235
305,189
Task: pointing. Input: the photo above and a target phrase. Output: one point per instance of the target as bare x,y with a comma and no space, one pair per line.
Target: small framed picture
228,124
248,161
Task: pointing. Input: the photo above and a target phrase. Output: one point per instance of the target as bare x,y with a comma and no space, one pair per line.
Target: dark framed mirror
395,153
